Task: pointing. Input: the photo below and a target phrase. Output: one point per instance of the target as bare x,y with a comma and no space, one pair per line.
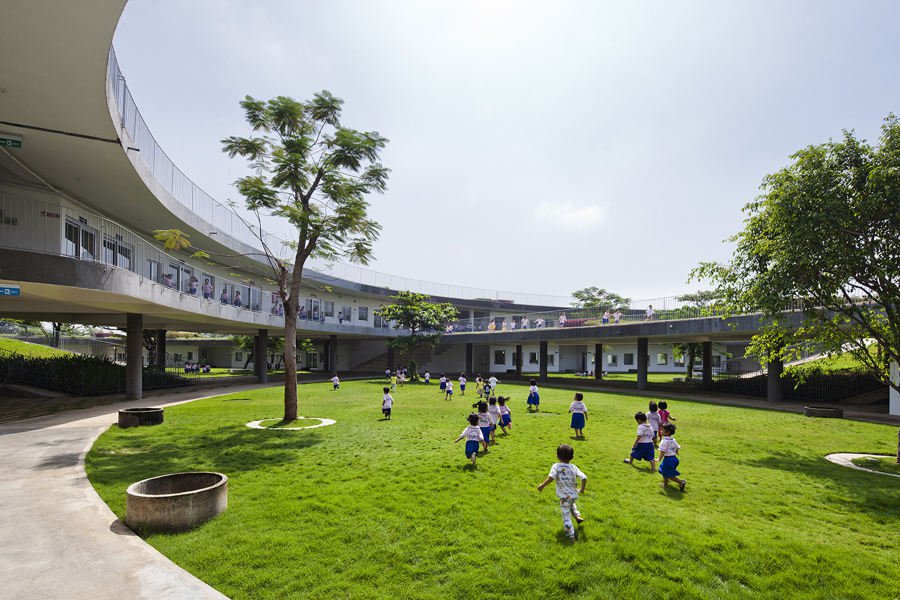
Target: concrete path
57,537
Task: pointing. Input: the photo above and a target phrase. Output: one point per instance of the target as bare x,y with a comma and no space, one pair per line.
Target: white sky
535,146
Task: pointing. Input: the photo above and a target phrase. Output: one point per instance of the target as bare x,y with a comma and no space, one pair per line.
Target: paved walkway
58,539
845,459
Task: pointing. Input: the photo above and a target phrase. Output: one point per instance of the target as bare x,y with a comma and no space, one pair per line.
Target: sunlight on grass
370,508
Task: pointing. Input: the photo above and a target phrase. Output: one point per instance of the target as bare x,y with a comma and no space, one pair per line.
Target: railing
222,218
656,309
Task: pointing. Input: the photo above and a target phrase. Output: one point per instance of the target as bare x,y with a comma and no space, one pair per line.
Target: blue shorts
386,412
505,420
534,399
605,321
337,386
462,387
643,451
668,467
449,392
486,432
471,448
577,421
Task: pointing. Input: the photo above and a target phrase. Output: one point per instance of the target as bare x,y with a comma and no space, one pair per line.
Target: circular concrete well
826,412
175,502
133,417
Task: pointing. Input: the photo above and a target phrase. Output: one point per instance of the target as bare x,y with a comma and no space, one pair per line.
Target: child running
484,421
335,382
427,377
642,449
479,386
386,403
494,411
579,414
505,416
668,457
473,436
566,476
534,398
448,390
653,420
664,415
393,382
443,383
462,384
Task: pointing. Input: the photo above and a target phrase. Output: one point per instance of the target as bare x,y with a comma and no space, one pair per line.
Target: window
190,355
612,360
551,359
532,357
238,356
312,360
116,252
499,357
662,358
679,360
329,309
70,242
717,361
79,240
378,321
363,313
179,357
152,272
628,358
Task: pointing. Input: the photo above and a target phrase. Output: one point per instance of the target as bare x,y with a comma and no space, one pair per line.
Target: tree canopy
315,173
594,296
424,319
823,237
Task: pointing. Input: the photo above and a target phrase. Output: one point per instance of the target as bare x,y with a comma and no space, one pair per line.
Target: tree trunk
290,365
691,357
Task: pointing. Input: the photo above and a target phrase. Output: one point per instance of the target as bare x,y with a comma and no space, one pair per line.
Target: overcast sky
535,146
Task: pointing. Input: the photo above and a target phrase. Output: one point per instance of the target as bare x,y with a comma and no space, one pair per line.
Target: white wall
894,407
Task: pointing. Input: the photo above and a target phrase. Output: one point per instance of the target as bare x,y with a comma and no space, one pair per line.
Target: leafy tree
823,238
274,347
594,296
312,171
425,321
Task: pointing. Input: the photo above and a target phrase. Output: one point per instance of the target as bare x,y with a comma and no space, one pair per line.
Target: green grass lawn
883,464
29,350
391,509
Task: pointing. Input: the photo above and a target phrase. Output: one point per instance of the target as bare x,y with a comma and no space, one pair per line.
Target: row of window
612,360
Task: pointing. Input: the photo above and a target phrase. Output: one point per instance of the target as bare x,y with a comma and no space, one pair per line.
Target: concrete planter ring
134,417
826,412
175,502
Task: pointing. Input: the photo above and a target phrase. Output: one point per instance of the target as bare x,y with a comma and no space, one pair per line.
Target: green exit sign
10,141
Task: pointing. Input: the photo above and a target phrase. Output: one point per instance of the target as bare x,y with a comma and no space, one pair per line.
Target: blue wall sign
10,290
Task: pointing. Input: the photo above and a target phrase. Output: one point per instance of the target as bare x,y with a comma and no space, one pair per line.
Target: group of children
482,428
648,440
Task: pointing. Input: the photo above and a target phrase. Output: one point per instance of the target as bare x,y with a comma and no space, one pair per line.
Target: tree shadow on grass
867,491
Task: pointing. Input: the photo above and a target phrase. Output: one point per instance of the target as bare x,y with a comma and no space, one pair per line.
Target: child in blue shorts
579,414
443,383
534,398
643,448
494,411
484,421
505,416
387,401
668,457
448,390
473,436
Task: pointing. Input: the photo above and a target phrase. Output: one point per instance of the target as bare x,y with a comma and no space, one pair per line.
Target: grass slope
370,509
29,350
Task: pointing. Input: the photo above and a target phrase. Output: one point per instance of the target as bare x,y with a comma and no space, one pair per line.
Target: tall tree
594,296
274,347
312,171
824,238
424,319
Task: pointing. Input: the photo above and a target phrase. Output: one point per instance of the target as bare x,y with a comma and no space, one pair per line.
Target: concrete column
260,357
134,365
707,364
543,360
331,353
470,359
773,391
598,361
518,360
390,358
643,359
161,348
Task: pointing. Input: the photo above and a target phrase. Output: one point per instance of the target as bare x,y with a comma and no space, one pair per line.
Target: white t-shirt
427,376
668,446
443,380
566,476
484,419
533,389
504,410
462,381
653,420
578,407
387,401
645,433
449,387
562,320
472,434
335,380
494,411
493,381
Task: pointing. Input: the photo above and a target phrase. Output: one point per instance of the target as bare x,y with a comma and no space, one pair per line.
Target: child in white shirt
668,457
534,398
566,476
654,421
494,411
335,382
462,384
443,384
505,416
485,421
492,382
427,377
448,390
473,436
579,414
642,449
386,403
